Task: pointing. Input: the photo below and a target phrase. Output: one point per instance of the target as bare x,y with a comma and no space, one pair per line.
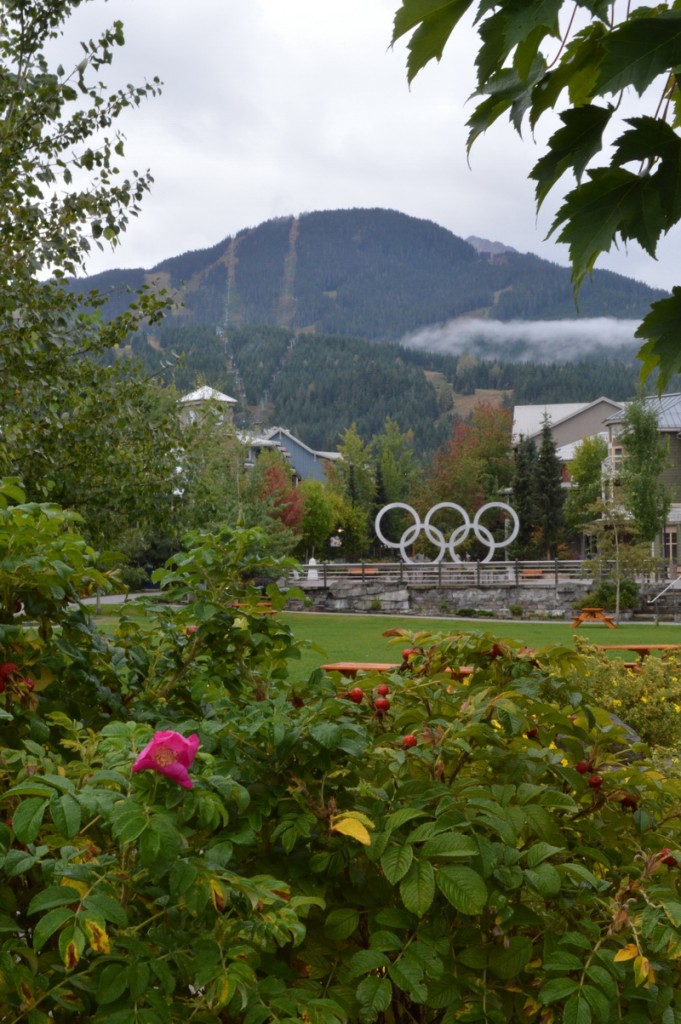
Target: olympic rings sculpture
458,535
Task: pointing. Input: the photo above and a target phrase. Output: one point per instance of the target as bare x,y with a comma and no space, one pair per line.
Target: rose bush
320,868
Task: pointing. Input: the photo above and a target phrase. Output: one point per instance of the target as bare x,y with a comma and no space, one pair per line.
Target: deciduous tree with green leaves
66,420
586,481
578,60
646,453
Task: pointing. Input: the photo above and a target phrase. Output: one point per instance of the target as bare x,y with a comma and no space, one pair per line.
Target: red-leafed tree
273,501
475,464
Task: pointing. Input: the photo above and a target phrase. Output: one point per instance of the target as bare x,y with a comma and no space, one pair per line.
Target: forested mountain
286,318
374,274
317,386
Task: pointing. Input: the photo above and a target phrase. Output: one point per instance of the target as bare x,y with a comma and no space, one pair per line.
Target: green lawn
359,637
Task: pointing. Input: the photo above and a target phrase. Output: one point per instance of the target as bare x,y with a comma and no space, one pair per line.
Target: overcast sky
280,107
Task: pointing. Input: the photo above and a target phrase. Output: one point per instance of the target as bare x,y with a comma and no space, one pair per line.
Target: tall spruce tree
523,486
549,496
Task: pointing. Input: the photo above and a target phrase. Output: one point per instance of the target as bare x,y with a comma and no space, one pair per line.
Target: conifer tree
549,496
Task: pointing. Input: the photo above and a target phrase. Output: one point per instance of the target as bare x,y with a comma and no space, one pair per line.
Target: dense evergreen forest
374,274
318,386
304,321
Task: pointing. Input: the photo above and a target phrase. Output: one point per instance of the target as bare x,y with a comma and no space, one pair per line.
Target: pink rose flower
170,754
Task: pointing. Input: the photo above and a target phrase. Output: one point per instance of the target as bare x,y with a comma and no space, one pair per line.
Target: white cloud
275,107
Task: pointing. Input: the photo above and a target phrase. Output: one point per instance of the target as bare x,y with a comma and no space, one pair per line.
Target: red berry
629,801
357,695
407,653
532,733
190,630
28,683
8,668
409,741
595,781
583,767
383,690
381,704
665,856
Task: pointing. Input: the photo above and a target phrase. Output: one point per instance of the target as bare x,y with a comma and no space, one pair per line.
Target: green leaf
561,960
508,961
463,888
327,734
639,51
49,924
599,1003
66,814
571,147
540,852
577,1011
436,20
374,996
452,845
673,911
651,141
366,960
557,988
106,907
407,975
128,821
613,201
342,923
53,896
662,328
417,889
113,981
396,861
512,25
138,979
28,818
605,981
30,789
399,818
385,940
545,879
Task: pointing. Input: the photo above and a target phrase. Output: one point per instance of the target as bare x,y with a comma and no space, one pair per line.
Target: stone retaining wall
504,601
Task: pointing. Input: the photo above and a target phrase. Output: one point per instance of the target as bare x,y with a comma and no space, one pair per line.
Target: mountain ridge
370,273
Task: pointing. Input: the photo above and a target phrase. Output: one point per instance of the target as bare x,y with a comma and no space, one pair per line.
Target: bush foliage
445,848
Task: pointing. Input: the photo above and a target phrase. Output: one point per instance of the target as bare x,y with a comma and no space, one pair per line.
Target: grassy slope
359,637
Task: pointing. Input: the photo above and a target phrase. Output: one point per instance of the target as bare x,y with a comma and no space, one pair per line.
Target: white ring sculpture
458,535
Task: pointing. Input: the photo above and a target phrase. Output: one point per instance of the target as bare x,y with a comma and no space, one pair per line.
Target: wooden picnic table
593,615
351,668
256,607
643,650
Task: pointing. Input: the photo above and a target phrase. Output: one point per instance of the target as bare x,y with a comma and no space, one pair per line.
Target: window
670,549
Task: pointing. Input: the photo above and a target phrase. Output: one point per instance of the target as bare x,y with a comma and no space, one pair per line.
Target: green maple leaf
662,328
650,140
638,51
571,147
524,24
614,202
433,22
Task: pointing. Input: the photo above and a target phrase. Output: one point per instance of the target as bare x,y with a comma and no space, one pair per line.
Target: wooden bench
360,570
257,608
351,668
593,615
643,650
531,574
